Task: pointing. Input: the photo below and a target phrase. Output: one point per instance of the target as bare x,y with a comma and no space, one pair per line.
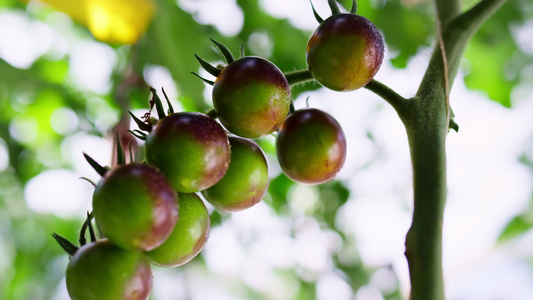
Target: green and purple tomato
345,52
251,97
188,237
311,146
103,271
135,207
246,180
191,149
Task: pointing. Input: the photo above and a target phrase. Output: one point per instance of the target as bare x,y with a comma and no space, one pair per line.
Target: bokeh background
70,71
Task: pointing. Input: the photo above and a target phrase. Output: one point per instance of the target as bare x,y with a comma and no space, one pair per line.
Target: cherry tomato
135,206
345,52
191,149
251,97
188,237
246,180
102,271
311,146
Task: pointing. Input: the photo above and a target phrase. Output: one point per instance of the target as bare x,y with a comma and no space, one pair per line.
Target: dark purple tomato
246,180
311,146
191,149
189,236
345,52
135,206
251,97
102,271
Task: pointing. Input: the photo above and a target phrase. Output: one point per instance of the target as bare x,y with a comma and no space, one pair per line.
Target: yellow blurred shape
111,21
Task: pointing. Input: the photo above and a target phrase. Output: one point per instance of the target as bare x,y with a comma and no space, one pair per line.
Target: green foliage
497,72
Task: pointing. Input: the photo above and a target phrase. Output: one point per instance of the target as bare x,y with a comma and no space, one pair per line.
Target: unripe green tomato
191,149
311,146
102,271
246,180
251,97
135,206
189,236
345,52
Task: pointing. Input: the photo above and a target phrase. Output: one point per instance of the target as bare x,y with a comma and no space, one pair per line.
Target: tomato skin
188,237
135,207
345,52
102,271
311,146
251,97
246,180
190,149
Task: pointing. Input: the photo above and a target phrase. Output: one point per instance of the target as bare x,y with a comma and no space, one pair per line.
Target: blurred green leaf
406,29
171,41
494,58
278,190
518,225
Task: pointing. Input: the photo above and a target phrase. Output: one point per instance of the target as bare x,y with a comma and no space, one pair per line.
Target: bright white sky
487,184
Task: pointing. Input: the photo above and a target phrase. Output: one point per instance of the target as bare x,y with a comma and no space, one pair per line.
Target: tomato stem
297,77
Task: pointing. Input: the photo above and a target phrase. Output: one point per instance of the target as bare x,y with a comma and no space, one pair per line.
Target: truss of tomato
102,271
188,237
135,206
246,180
191,149
345,52
251,97
311,146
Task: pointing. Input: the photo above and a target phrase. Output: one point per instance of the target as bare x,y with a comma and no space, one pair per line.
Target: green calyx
215,71
334,7
147,122
68,246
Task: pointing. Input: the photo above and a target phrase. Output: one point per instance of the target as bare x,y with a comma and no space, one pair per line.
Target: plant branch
398,102
456,34
427,126
297,77
447,9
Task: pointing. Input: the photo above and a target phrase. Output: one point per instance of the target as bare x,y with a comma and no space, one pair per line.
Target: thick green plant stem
427,124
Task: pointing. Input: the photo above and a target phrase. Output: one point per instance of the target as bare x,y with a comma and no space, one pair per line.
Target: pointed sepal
158,104
142,125
121,158
170,108
242,51
354,7
65,244
96,166
317,16
225,51
210,82
208,67
88,180
334,7
139,134
130,148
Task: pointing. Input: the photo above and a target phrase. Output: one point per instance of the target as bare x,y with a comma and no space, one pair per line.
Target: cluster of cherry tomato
151,212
